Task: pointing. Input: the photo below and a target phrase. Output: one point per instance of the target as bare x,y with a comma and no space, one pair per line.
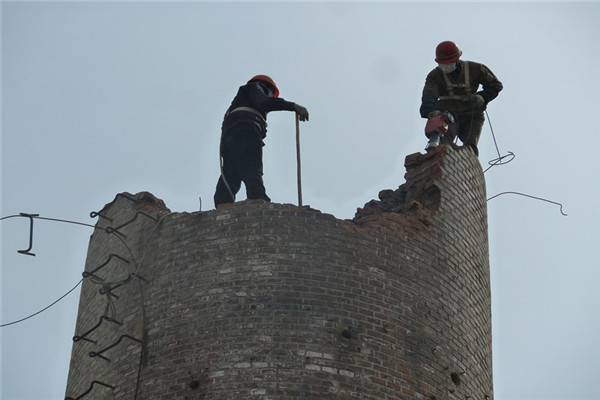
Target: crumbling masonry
272,301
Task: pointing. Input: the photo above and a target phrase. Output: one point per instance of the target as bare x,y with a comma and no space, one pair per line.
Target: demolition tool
437,127
298,160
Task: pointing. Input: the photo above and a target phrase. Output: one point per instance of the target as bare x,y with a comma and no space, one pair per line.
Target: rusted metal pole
298,160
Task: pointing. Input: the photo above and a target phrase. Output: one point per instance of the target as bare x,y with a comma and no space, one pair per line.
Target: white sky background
102,98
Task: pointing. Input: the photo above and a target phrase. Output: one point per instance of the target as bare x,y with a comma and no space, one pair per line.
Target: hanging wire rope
505,159
502,159
532,197
45,308
137,265
110,309
36,216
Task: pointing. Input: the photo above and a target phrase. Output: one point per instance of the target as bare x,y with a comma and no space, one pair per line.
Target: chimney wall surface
273,301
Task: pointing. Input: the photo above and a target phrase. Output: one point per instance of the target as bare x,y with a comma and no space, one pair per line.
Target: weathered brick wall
273,301
110,305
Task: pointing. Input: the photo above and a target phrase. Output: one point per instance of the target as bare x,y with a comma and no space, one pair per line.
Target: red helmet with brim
267,79
447,52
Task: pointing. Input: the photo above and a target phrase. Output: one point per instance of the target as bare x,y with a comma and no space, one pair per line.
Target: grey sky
101,98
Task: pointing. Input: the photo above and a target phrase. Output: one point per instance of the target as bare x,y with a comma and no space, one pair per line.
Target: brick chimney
272,301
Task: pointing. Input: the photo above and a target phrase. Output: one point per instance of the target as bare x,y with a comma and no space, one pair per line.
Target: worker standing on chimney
242,133
454,87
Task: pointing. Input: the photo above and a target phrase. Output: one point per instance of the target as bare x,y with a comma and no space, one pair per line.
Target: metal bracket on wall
116,230
99,353
108,287
90,389
86,274
102,318
95,214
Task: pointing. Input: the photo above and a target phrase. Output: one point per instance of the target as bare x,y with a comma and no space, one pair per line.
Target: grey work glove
302,112
434,114
476,99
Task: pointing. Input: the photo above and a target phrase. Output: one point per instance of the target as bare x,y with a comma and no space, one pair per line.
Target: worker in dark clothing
454,87
242,133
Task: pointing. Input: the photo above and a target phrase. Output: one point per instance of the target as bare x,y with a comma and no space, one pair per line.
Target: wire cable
66,294
43,309
501,159
532,197
10,216
52,219
110,309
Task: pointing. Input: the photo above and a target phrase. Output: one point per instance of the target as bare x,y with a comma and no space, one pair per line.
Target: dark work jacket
436,89
254,95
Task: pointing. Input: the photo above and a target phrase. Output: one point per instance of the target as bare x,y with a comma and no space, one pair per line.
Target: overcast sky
102,98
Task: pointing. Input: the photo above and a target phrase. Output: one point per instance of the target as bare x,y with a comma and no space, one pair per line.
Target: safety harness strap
250,109
451,86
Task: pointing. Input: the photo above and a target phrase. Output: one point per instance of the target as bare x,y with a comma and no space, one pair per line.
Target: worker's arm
430,95
491,86
265,104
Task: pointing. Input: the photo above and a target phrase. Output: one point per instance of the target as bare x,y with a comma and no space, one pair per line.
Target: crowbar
298,160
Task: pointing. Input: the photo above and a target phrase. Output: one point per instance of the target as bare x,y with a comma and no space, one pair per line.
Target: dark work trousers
468,127
241,149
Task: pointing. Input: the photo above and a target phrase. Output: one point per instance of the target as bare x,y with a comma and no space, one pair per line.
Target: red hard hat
447,52
267,79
